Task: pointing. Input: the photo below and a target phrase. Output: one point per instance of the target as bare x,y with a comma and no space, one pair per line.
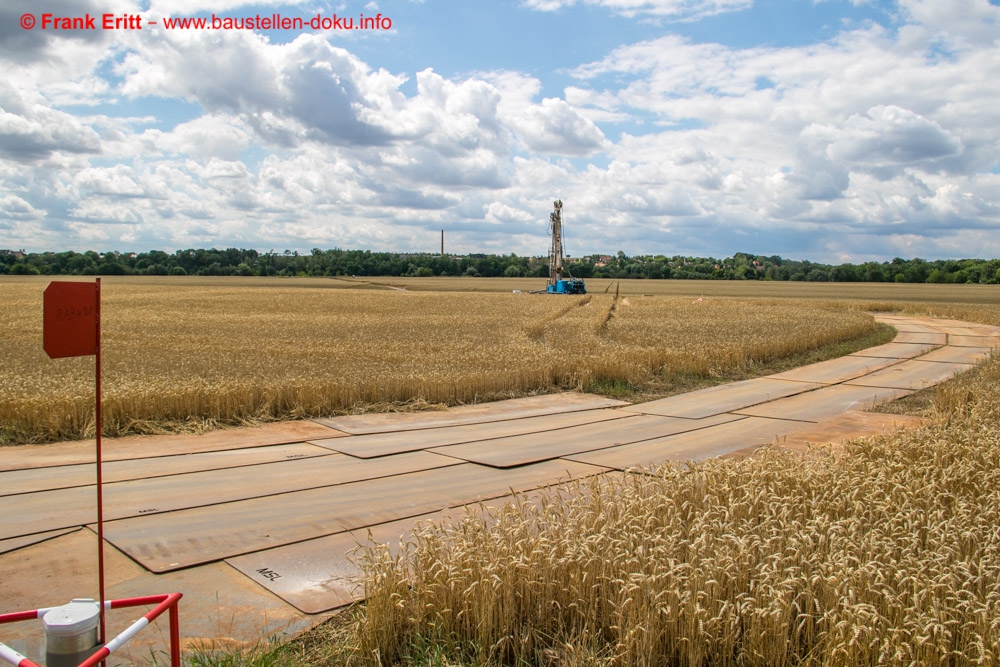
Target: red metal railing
163,603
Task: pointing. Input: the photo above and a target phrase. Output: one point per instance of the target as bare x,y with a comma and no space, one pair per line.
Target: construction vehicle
558,284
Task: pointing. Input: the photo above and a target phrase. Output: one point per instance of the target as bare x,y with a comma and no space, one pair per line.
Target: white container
71,632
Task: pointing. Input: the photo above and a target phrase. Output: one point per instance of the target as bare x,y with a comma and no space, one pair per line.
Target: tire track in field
602,328
368,284
536,330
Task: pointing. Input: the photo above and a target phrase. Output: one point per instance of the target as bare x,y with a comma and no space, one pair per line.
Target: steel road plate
904,325
173,540
62,508
383,444
323,573
957,355
516,408
834,371
967,330
928,338
15,543
896,350
823,403
693,445
146,446
519,450
724,398
84,474
912,374
974,341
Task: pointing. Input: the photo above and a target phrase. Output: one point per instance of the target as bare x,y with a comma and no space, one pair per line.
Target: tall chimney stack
442,243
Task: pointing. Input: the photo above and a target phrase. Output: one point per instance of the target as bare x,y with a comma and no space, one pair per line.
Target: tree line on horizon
337,262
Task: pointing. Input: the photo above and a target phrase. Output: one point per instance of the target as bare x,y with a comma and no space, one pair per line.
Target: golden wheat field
232,350
883,552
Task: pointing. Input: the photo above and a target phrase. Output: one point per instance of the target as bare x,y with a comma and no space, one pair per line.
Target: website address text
279,22
272,22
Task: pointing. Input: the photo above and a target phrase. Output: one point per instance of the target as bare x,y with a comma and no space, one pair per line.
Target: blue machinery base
572,286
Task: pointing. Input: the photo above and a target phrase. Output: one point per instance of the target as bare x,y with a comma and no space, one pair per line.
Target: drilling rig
558,284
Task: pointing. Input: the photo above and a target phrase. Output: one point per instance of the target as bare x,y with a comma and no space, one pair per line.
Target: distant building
16,254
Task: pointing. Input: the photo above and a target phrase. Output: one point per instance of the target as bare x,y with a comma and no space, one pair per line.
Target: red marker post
71,327
72,319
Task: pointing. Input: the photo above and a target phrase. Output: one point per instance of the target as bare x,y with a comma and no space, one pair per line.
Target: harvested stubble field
202,351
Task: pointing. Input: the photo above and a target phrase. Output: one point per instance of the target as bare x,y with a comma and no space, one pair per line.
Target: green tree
513,271
22,269
937,276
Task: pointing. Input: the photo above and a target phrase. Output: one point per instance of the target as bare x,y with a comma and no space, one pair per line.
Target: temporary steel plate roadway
257,526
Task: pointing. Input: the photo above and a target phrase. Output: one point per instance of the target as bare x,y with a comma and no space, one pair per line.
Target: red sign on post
71,327
69,320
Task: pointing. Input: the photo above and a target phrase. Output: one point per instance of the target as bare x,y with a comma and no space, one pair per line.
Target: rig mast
557,284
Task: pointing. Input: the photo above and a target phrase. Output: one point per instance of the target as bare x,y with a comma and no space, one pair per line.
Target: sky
833,131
